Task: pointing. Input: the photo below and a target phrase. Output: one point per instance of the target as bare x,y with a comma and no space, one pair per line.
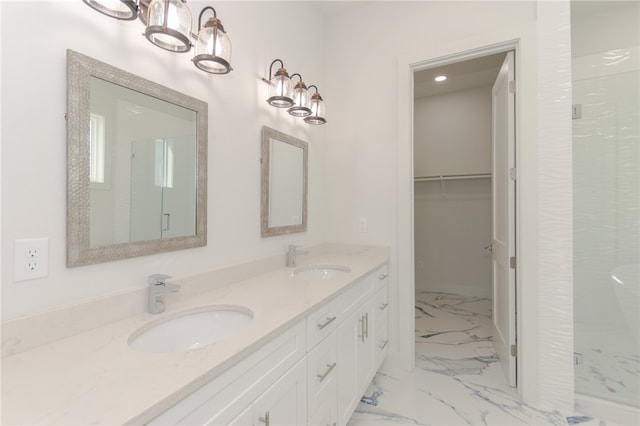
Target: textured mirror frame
265,229
80,69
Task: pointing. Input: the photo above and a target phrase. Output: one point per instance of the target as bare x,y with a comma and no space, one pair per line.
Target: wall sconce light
283,94
280,89
168,26
318,109
301,100
213,47
125,10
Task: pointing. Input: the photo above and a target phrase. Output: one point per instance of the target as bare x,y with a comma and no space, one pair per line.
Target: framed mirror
284,183
136,165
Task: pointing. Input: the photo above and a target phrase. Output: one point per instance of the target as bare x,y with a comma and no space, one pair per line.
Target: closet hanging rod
452,177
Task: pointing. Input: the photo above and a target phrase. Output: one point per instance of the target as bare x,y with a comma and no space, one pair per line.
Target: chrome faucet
158,287
291,255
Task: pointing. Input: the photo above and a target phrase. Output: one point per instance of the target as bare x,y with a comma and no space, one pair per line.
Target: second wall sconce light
168,26
284,94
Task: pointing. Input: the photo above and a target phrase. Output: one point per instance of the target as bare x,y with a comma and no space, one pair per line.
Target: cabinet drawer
322,322
322,373
381,277
355,296
226,396
381,328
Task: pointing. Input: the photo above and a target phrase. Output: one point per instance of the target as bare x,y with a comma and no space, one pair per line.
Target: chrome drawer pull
366,328
383,276
383,306
321,377
384,344
326,323
264,419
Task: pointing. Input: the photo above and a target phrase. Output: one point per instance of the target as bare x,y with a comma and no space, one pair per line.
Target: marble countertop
96,378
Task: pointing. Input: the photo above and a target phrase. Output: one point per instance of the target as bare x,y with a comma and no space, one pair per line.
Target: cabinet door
366,369
326,415
349,333
322,378
245,418
285,402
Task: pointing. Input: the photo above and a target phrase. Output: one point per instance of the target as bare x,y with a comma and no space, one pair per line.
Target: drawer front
354,297
381,327
322,322
226,396
322,375
381,277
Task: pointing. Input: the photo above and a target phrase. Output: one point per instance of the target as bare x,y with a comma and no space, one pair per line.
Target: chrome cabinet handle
383,276
384,344
321,377
264,419
326,323
366,329
383,306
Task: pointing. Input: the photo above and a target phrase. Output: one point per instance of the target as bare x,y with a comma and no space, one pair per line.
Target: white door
503,226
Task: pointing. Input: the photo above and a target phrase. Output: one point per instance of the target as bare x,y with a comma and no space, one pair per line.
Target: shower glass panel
606,188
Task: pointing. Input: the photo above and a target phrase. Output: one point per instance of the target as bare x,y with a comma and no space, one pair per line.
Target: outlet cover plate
30,259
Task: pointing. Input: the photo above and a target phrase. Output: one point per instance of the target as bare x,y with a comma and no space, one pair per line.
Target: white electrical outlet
31,259
363,224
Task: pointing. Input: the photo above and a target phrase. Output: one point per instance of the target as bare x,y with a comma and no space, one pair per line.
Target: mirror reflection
152,146
284,183
137,156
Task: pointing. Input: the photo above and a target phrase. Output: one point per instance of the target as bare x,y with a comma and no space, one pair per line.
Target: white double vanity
316,337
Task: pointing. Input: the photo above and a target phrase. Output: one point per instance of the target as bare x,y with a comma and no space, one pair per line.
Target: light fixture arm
297,75
271,66
314,86
202,13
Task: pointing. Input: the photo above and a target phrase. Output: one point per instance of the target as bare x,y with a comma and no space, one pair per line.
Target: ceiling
460,76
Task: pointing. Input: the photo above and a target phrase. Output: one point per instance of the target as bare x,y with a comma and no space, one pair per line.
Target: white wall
452,133
452,136
452,228
34,136
370,52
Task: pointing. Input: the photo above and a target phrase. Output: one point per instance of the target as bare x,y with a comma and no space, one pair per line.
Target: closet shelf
451,177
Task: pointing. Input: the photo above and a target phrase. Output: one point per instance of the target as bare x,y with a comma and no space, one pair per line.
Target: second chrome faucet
158,287
292,253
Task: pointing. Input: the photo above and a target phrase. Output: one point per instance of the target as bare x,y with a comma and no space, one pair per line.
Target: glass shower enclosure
606,200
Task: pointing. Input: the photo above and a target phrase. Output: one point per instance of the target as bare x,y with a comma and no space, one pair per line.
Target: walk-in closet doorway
464,193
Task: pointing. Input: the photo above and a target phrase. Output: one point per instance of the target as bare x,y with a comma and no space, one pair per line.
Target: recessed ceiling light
440,78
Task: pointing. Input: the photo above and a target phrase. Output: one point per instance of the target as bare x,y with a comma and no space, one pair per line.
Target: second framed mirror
284,183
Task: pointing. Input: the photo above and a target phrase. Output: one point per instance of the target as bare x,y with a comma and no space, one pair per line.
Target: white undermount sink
323,272
191,329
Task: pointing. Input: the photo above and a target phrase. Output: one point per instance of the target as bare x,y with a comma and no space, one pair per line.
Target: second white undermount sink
191,329
322,272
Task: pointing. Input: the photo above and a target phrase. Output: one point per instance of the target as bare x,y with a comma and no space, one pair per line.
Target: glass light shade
213,48
301,102
125,10
280,90
318,111
169,25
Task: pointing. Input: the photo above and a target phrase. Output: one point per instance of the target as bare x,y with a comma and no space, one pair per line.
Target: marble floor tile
457,380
